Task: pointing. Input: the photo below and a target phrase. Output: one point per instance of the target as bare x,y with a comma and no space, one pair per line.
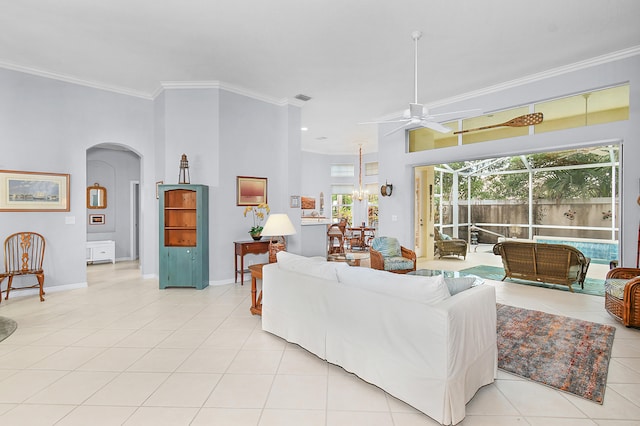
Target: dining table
362,235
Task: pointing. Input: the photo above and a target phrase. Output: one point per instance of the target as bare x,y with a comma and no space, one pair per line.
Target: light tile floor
123,352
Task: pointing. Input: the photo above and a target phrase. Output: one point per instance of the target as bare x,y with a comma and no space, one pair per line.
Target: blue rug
591,285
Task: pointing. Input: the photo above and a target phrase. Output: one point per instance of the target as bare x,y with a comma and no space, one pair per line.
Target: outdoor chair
387,254
23,255
622,295
447,246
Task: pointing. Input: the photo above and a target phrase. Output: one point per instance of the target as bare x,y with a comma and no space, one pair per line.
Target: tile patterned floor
122,352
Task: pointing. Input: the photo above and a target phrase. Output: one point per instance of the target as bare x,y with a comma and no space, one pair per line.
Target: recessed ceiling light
302,97
304,129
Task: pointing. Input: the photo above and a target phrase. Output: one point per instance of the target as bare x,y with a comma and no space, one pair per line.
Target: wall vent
302,97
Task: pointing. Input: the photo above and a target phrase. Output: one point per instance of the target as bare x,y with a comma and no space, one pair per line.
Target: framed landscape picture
251,191
34,191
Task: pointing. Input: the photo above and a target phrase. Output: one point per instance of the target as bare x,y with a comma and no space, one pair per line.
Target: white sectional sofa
404,334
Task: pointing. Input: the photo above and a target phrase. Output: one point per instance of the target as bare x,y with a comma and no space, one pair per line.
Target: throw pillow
387,246
428,290
456,285
445,237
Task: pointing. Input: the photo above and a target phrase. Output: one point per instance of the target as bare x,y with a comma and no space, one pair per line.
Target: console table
101,250
247,247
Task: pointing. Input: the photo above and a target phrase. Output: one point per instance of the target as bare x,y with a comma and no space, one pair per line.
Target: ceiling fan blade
456,114
404,120
435,126
395,130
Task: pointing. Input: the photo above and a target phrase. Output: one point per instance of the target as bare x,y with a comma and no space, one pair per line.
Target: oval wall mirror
96,197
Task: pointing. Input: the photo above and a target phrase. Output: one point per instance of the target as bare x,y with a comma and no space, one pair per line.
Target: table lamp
277,227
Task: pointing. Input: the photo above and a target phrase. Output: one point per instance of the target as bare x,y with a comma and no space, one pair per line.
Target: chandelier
360,194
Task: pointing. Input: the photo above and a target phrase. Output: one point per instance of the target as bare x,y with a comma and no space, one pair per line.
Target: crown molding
75,80
215,84
576,66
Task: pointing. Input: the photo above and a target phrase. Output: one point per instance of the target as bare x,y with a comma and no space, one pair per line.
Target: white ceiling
353,57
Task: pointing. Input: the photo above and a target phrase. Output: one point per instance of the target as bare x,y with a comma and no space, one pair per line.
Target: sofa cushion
396,263
429,290
615,287
387,246
315,267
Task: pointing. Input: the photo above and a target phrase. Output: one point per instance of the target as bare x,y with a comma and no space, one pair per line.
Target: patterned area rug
591,285
561,352
7,326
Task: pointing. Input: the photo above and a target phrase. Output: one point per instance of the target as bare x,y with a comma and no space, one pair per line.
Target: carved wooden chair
23,255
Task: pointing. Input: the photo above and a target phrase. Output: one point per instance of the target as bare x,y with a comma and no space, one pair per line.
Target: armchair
622,295
387,254
446,246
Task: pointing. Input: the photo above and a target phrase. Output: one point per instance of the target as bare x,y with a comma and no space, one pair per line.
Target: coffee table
446,274
353,259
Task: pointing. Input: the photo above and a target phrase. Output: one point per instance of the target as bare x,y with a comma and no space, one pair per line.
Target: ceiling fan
418,115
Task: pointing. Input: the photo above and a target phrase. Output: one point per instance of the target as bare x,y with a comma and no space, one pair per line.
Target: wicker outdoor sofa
547,263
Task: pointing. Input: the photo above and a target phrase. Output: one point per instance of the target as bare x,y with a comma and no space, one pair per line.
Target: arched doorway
117,168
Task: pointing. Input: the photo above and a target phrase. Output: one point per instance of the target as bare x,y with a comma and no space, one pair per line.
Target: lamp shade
277,225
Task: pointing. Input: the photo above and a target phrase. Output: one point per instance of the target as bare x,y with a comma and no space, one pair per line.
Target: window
342,170
577,110
342,203
372,204
371,169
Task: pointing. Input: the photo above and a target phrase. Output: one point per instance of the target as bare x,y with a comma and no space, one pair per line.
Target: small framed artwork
96,219
251,191
33,191
294,202
158,183
308,203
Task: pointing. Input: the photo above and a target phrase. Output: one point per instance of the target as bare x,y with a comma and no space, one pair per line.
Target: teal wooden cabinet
184,236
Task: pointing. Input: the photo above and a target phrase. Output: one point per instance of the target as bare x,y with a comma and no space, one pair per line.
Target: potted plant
259,214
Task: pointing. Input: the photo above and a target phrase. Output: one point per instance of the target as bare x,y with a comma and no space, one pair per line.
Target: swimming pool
600,251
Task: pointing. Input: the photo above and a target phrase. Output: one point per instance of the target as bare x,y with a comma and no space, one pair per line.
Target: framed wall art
34,191
294,202
251,191
308,203
96,219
